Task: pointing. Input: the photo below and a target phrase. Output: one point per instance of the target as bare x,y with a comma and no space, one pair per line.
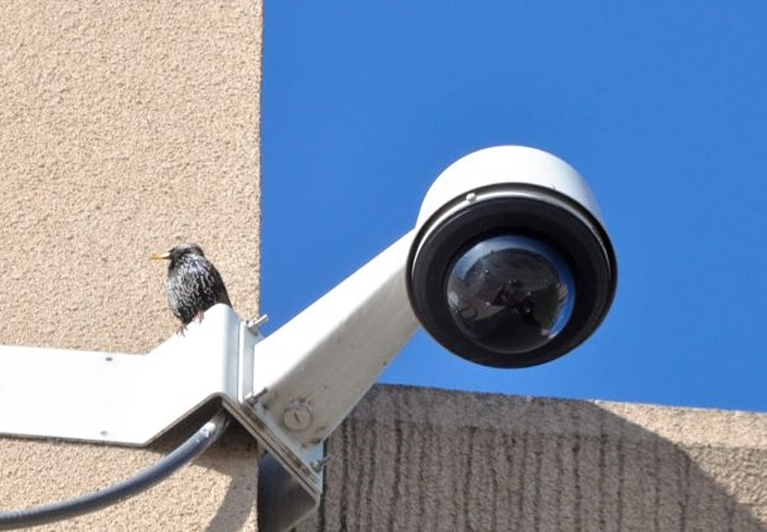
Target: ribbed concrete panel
429,460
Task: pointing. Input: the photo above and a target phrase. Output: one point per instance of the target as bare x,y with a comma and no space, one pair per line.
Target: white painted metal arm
309,374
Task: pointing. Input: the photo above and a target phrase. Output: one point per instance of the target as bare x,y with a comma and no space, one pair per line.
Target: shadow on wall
235,457
239,499
216,493
429,460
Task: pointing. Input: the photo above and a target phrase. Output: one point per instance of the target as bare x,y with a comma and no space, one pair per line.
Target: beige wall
125,127
128,126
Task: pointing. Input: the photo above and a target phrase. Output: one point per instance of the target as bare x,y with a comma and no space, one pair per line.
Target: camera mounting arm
310,373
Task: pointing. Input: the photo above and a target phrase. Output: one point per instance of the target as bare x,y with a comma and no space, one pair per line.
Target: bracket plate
128,399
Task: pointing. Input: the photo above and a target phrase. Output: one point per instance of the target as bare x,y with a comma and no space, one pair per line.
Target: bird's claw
197,317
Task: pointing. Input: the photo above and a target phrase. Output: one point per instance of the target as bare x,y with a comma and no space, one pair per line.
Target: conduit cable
179,457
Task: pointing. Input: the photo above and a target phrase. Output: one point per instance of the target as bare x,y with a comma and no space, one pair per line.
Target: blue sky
661,106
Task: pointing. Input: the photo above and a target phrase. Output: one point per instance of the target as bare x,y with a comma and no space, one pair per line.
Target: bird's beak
160,256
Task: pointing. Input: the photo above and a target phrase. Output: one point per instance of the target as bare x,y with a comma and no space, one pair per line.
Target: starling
194,284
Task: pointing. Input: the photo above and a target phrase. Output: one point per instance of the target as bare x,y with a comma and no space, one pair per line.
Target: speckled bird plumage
194,284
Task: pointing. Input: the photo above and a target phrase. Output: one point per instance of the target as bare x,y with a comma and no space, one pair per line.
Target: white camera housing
511,265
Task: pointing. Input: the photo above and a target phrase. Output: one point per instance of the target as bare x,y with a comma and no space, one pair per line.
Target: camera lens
513,280
510,294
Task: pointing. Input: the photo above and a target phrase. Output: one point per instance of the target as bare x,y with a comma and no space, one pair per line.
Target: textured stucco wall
429,460
125,127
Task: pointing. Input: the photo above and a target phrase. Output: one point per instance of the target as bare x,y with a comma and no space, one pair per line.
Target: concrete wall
128,126
125,127
429,460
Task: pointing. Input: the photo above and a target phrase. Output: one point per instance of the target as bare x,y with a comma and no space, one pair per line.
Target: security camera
511,265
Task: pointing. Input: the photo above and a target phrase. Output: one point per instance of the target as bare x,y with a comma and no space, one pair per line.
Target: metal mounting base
131,400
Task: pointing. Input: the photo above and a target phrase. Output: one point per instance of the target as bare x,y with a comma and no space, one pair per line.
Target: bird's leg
197,317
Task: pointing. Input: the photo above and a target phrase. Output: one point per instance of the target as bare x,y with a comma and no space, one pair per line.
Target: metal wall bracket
128,399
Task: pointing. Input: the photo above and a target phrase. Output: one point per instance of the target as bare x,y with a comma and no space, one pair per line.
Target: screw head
297,416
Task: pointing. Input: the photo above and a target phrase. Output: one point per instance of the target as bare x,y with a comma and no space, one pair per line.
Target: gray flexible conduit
179,457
